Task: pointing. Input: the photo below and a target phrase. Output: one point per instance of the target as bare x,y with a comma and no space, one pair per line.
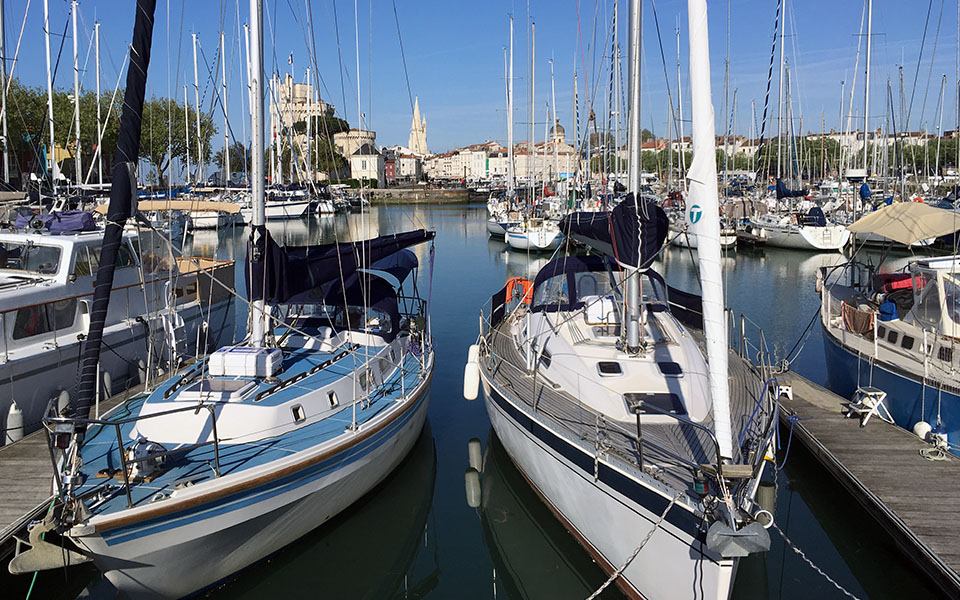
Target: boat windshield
29,257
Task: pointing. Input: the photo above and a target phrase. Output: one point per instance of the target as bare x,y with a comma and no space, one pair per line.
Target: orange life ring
526,286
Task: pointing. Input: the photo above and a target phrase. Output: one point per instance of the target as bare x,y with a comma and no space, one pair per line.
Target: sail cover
783,192
632,234
276,274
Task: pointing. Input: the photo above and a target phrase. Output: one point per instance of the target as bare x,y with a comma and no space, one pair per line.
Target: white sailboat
246,451
603,398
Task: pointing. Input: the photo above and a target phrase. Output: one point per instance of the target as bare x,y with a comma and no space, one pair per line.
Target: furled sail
784,192
123,189
632,233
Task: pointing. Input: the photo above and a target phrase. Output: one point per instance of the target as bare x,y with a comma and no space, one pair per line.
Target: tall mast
783,22
3,92
511,175
703,191
309,128
681,158
290,121
52,153
186,128
633,166
274,117
76,94
866,91
256,147
530,155
553,102
196,95
96,37
226,118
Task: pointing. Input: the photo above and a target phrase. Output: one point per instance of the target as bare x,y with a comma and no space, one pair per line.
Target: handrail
124,462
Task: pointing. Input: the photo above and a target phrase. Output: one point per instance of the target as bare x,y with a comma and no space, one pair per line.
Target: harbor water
415,536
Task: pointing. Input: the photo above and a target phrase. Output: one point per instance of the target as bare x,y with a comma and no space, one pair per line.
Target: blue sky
454,56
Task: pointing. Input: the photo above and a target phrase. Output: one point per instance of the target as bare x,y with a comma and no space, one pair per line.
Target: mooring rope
646,539
800,553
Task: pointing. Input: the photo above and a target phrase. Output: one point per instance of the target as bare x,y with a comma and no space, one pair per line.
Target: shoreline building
418,132
292,105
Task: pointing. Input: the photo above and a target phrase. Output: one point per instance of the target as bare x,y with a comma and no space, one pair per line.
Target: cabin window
29,257
82,266
299,415
553,291
546,358
892,336
332,398
907,342
951,297
881,332
945,354
125,257
44,318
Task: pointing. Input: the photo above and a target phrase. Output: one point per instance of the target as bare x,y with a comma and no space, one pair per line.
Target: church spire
418,131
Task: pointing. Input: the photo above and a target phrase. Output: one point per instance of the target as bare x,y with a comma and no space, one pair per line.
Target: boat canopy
632,233
783,192
283,274
58,221
183,205
908,222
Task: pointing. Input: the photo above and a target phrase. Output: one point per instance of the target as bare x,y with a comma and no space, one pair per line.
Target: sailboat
596,384
247,450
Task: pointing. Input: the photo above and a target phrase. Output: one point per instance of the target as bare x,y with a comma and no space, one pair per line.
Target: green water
415,537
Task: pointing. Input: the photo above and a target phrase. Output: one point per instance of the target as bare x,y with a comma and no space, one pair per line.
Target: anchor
42,555
726,542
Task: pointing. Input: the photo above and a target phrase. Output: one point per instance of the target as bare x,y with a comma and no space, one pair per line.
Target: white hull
830,237
212,220
610,525
278,210
689,240
225,539
535,240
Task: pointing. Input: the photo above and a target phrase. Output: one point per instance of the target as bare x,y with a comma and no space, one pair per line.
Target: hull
276,211
205,544
499,228
609,515
534,241
907,400
831,237
727,240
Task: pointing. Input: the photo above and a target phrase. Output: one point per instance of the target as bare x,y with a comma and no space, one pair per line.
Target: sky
453,52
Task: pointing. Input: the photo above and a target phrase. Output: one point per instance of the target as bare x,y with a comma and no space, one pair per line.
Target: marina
667,341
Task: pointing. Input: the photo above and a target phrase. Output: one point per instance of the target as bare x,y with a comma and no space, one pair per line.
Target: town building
367,162
294,107
418,132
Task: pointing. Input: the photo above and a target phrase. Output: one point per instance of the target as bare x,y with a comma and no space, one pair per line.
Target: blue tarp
865,193
631,233
783,192
58,222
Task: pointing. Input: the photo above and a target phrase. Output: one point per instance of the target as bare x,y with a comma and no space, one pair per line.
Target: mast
682,158
257,307
633,166
866,91
703,192
76,93
186,128
511,175
309,88
196,95
226,118
553,102
3,93
96,37
52,153
274,116
530,156
783,22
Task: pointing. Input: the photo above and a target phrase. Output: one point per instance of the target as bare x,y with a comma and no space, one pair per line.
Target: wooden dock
914,499
26,480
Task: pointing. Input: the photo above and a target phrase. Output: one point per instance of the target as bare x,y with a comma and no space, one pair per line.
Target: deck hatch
609,368
670,369
664,401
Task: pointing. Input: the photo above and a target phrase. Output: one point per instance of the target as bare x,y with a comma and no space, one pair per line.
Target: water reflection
534,556
370,551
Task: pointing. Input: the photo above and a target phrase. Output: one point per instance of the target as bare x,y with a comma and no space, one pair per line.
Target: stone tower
418,132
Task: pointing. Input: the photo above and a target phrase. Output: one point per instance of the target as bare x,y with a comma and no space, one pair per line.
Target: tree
161,115
239,158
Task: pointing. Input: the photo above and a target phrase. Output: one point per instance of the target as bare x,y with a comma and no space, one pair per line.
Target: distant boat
534,234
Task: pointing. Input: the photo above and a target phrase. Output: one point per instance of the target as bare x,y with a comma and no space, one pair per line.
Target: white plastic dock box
245,361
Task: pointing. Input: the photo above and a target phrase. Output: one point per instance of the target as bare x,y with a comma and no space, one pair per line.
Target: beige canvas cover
908,222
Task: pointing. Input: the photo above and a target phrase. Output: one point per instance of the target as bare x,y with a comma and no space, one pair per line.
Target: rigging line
766,98
933,56
16,52
403,58
666,77
916,73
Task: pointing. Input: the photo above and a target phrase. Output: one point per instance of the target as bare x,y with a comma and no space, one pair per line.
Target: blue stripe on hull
269,490
907,399
635,491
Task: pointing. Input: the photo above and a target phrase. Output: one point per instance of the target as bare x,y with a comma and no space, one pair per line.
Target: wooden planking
912,498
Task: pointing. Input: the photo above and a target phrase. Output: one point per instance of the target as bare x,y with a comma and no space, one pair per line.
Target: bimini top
278,274
908,222
632,233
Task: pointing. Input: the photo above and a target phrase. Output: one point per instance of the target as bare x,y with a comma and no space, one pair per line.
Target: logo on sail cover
695,213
